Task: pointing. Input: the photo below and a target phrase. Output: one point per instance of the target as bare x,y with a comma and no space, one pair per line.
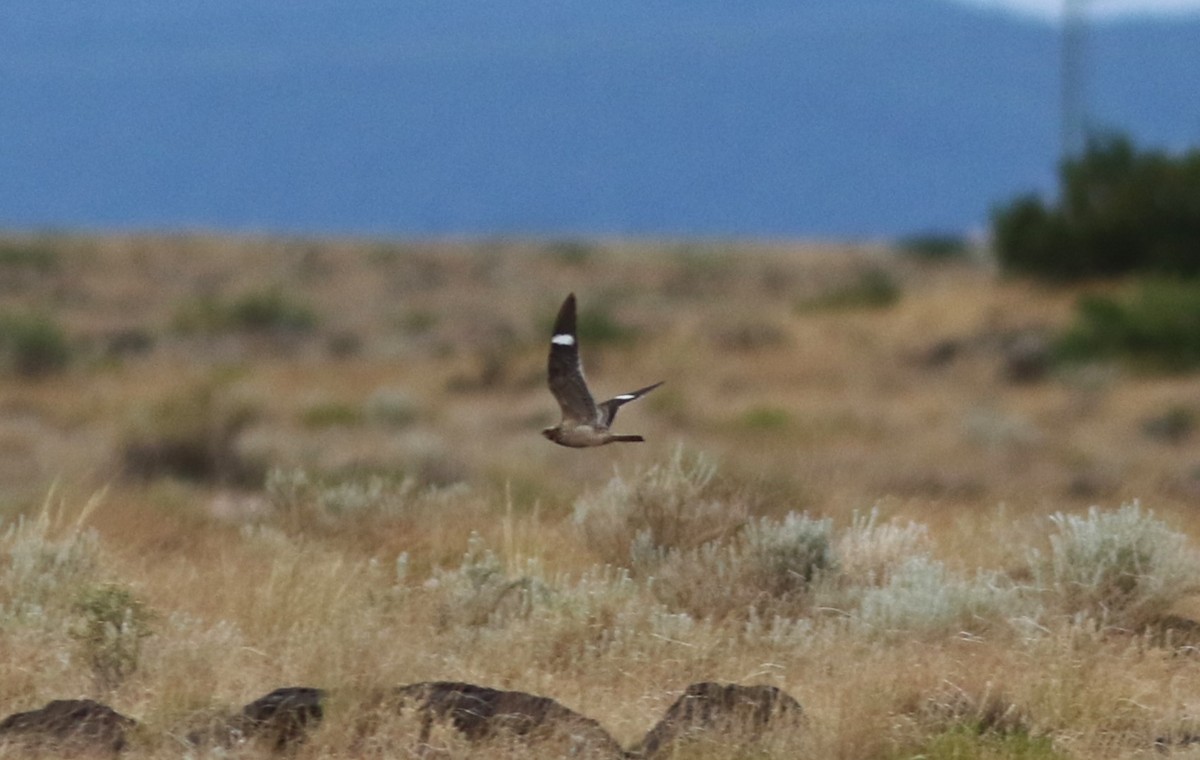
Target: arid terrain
259,462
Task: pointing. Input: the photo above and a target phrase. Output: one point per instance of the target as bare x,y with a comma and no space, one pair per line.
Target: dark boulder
68,725
278,720
480,714
731,711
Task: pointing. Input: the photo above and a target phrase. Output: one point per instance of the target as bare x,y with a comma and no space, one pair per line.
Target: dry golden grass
418,528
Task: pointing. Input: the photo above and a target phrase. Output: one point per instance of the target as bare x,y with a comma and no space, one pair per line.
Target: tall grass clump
1123,568
680,503
1158,326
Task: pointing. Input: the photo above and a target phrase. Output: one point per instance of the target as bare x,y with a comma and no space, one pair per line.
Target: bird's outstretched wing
608,409
566,370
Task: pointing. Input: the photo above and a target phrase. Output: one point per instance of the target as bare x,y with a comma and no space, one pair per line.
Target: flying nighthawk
584,422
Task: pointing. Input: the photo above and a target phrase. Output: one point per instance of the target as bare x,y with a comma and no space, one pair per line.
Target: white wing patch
563,340
625,397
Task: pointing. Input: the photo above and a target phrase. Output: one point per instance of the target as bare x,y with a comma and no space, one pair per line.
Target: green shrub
34,256
32,345
573,252
1158,326
1120,210
109,627
1123,568
268,310
935,246
873,288
783,558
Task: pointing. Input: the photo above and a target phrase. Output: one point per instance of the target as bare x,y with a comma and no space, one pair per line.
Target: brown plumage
584,422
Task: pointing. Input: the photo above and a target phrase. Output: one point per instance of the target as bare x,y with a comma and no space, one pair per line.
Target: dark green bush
1158,326
32,345
1120,211
935,246
35,256
268,310
574,252
873,288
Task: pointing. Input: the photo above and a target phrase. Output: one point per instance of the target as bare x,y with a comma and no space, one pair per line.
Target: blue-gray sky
1053,8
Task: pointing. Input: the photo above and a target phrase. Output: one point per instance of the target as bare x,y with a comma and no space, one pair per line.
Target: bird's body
584,422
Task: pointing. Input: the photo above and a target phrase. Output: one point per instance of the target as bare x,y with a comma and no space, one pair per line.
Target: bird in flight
584,422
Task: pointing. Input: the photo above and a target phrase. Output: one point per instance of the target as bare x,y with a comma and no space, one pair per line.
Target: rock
1027,358
481,713
737,711
1173,426
279,720
941,354
68,725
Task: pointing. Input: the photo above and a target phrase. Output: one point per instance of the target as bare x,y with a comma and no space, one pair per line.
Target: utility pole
1074,85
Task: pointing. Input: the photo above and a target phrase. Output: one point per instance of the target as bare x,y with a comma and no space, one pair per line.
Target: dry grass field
278,462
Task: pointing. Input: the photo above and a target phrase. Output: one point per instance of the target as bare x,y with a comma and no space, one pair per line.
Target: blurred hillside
827,378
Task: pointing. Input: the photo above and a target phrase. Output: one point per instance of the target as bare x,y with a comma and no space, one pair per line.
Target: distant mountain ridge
855,118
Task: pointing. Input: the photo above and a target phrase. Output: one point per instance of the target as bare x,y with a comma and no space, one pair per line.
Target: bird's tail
627,439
